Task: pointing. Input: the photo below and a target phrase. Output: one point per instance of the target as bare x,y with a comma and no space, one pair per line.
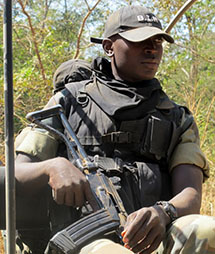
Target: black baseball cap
133,23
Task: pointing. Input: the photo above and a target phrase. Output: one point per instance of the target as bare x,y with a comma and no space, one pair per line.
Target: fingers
69,184
58,196
91,198
152,247
71,195
150,242
69,199
144,231
74,193
61,198
137,226
76,199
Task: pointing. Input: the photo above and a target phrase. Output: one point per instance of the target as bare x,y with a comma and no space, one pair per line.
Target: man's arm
69,185
37,165
147,226
187,189
187,166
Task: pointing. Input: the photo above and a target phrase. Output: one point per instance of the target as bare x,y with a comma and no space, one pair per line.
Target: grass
208,200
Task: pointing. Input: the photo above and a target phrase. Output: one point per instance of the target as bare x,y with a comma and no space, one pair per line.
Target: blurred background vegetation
49,32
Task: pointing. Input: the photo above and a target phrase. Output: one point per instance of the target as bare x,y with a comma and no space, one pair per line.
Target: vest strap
118,137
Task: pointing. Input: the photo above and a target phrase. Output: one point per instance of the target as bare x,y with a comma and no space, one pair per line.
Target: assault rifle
111,215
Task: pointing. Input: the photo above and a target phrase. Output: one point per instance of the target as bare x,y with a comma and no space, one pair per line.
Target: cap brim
96,40
144,33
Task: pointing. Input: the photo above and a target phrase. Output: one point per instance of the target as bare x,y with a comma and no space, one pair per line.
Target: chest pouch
159,138
151,137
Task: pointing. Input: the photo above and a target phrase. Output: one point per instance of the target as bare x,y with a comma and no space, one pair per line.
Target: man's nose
150,51
150,47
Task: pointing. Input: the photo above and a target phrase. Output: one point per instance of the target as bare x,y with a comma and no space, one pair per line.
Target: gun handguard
111,215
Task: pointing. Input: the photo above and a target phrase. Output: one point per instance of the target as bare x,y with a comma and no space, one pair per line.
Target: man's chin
147,77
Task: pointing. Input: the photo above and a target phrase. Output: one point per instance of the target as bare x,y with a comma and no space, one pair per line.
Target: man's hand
145,229
69,185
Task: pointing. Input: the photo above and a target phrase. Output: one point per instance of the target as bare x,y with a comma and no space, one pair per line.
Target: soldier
122,113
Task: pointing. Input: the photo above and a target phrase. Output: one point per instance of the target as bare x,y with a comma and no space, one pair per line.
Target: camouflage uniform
188,235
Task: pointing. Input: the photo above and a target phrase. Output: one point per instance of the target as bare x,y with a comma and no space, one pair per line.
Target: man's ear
108,47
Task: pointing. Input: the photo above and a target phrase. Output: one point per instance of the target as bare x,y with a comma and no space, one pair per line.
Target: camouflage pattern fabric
192,234
104,246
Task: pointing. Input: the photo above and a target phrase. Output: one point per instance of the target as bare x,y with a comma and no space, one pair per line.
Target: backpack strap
71,71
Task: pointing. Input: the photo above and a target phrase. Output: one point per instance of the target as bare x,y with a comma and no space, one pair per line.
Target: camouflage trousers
190,234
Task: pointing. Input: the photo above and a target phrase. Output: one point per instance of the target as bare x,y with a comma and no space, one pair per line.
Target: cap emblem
147,18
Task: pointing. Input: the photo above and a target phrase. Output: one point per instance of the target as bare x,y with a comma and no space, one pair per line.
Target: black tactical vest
152,137
134,153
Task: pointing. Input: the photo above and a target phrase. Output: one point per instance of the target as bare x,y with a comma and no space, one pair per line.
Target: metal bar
179,14
9,136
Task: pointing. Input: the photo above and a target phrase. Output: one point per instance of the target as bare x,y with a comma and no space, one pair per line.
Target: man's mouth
150,64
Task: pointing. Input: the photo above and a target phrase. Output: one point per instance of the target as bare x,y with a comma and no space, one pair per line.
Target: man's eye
158,40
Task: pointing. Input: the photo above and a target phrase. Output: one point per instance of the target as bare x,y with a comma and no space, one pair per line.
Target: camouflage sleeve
188,151
38,142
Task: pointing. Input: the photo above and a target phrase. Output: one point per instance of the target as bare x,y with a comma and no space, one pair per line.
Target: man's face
136,61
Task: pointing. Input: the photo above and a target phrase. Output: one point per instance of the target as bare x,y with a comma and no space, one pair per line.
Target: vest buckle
117,137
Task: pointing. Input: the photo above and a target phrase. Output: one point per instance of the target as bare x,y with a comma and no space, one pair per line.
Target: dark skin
134,61
146,227
69,185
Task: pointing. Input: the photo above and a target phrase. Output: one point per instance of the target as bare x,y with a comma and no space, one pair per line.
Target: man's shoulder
71,71
75,87
69,92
